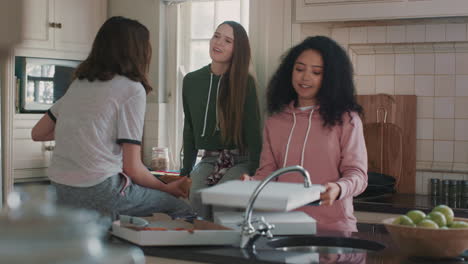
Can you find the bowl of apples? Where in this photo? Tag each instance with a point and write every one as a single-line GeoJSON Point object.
{"type": "Point", "coordinates": [436, 234]}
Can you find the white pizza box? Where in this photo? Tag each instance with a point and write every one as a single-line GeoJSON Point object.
{"type": "Point", "coordinates": [178, 233]}
{"type": "Point", "coordinates": [275, 196]}
{"type": "Point", "coordinates": [286, 223]}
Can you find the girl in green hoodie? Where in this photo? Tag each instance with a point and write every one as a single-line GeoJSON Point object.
{"type": "Point", "coordinates": [221, 115]}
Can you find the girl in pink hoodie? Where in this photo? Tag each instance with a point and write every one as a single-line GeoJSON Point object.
{"type": "Point", "coordinates": [314, 122]}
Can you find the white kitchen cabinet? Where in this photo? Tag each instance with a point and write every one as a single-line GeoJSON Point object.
{"type": "Point", "coordinates": [30, 159]}
{"type": "Point", "coordinates": [353, 10]}
{"type": "Point", "coordinates": [63, 25]}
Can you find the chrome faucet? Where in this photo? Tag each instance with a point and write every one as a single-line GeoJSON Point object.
{"type": "Point", "coordinates": [248, 232]}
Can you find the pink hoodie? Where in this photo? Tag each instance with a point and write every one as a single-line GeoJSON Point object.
{"type": "Point", "coordinates": [296, 137]}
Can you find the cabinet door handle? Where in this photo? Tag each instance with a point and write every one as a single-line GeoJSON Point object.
{"type": "Point", "coordinates": [49, 148]}
{"type": "Point", "coordinates": [52, 25]}
{"type": "Point", "coordinates": [58, 25]}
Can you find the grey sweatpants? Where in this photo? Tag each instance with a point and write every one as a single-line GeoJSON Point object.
{"type": "Point", "coordinates": [108, 199]}
{"type": "Point", "coordinates": [199, 174]}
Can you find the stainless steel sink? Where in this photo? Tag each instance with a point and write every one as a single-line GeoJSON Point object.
{"type": "Point", "coordinates": [324, 244]}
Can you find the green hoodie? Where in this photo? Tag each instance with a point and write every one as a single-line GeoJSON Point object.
{"type": "Point", "coordinates": [200, 131]}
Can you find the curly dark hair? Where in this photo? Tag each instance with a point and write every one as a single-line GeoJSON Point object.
{"type": "Point", "coordinates": [337, 94]}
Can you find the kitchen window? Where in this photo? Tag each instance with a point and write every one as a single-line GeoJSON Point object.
{"type": "Point", "coordinates": [196, 22]}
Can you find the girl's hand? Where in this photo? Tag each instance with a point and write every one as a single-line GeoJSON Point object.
{"type": "Point", "coordinates": [332, 192]}
{"type": "Point", "coordinates": [176, 187]}
{"type": "Point", "coordinates": [245, 177]}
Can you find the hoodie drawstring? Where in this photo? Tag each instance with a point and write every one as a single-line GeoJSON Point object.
{"type": "Point", "coordinates": [305, 140]}
{"type": "Point", "coordinates": [307, 136]}
{"type": "Point", "coordinates": [217, 96]}
{"type": "Point", "coordinates": [289, 140]}
{"type": "Point", "coordinates": [208, 104]}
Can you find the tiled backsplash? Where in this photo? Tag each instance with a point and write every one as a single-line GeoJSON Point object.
{"type": "Point", "coordinates": [427, 58]}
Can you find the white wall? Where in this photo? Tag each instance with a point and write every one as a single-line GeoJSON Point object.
{"type": "Point", "coordinates": [151, 14]}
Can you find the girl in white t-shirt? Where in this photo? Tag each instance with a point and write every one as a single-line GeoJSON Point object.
{"type": "Point", "coordinates": [98, 126]}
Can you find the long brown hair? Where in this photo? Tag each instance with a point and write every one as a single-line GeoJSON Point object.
{"type": "Point", "coordinates": [233, 90]}
{"type": "Point", "coordinates": [121, 47]}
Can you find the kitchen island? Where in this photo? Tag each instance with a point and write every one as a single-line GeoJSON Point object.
{"type": "Point", "coordinates": [389, 204]}
{"type": "Point", "coordinates": [266, 254]}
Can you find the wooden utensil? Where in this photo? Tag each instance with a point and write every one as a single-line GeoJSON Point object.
{"type": "Point", "coordinates": [401, 111]}
{"type": "Point", "coordinates": [384, 142]}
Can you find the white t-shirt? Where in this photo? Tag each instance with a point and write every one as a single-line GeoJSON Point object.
{"type": "Point", "coordinates": [92, 119]}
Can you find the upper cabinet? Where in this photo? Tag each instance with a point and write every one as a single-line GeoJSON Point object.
{"type": "Point", "coordinates": [61, 25]}
{"type": "Point", "coordinates": [349, 10]}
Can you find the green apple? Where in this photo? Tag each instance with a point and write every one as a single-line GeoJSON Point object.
{"type": "Point", "coordinates": [459, 224]}
{"type": "Point", "coordinates": [416, 215]}
{"type": "Point", "coordinates": [427, 223]}
{"type": "Point", "coordinates": [447, 211]}
{"type": "Point", "coordinates": [438, 218]}
{"type": "Point", "coordinates": [403, 220]}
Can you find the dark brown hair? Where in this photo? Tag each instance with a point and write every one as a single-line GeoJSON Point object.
{"type": "Point", "coordinates": [121, 47]}
{"type": "Point", "coordinates": [234, 87]}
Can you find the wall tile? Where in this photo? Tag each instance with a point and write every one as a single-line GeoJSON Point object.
{"type": "Point", "coordinates": [445, 63]}
{"type": "Point", "coordinates": [425, 182]}
{"type": "Point", "coordinates": [424, 150]}
{"type": "Point", "coordinates": [376, 34]}
{"type": "Point", "coordinates": [424, 85]}
{"type": "Point", "coordinates": [461, 128]}
{"type": "Point", "coordinates": [404, 84]}
{"type": "Point", "coordinates": [443, 151]}
{"type": "Point", "coordinates": [425, 107]}
{"type": "Point", "coordinates": [454, 176]}
{"type": "Point", "coordinates": [424, 128]}
{"type": "Point", "coordinates": [365, 84]}
{"type": "Point", "coordinates": [461, 107]}
{"type": "Point", "coordinates": [445, 85]}
{"type": "Point", "coordinates": [461, 63]}
{"type": "Point", "coordinates": [456, 32]}
{"type": "Point", "coordinates": [365, 65]}
{"type": "Point", "coordinates": [461, 151]}
{"type": "Point", "coordinates": [444, 107]}
{"type": "Point", "coordinates": [384, 64]}
{"type": "Point", "coordinates": [385, 84]}
{"type": "Point", "coordinates": [461, 85]}
{"type": "Point", "coordinates": [357, 35]}
{"type": "Point", "coordinates": [396, 34]}
{"type": "Point", "coordinates": [415, 33]}
{"type": "Point", "coordinates": [444, 129]}
{"type": "Point", "coordinates": [404, 64]}
{"type": "Point", "coordinates": [419, 181]}
{"type": "Point", "coordinates": [435, 32]}
{"type": "Point", "coordinates": [424, 63]}
{"type": "Point", "coordinates": [340, 35]}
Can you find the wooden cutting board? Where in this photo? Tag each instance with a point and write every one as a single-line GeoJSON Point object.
{"type": "Point", "coordinates": [401, 111]}
{"type": "Point", "coordinates": [384, 143]}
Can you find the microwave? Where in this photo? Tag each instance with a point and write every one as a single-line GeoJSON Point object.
{"type": "Point", "coordinates": [40, 82]}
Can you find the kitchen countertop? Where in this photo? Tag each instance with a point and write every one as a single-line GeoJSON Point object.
{"type": "Point", "coordinates": [206, 254]}
{"type": "Point", "coordinates": [401, 203]}
{"type": "Point", "coordinates": [389, 203]}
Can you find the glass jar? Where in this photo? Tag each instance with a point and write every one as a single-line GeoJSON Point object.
{"type": "Point", "coordinates": [160, 159]}
{"type": "Point", "coordinates": [464, 192]}
{"type": "Point", "coordinates": [445, 188]}
{"type": "Point", "coordinates": [453, 189]}
{"type": "Point", "coordinates": [435, 187]}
